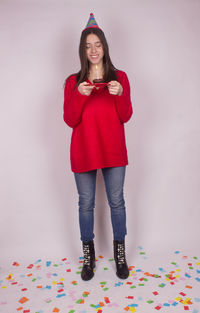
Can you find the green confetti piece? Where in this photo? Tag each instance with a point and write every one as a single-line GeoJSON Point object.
{"type": "Point", "coordinates": [174, 263]}
{"type": "Point", "coordinates": [34, 279]}
{"type": "Point", "coordinates": [110, 260]}
{"type": "Point", "coordinates": [150, 301]}
{"type": "Point", "coordinates": [161, 285]}
{"type": "Point", "coordinates": [79, 301]}
{"type": "Point", "coordinates": [48, 301]}
{"type": "Point", "coordinates": [191, 268]}
{"type": "Point", "coordinates": [71, 311]}
{"type": "Point", "coordinates": [93, 306]}
{"type": "Point", "coordinates": [103, 283]}
{"type": "Point", "coordinates": [142, 252]}
{"type": "Point", "coordinates": [167, 275]}
{"type": "Point", "coordinates": [145, 279]}
{"type": "Point", "coordinates": [133, 287]}
{"type": "Point", "coordinates": [105, 289]}
{"type": "Point", "coordinates": [55, 265]}
{"type": "Point", "coordinates": [84, 295]}
{"type": "Point", "coordinates": [78, 272]}
{"type": "Point", "coordinates": [156, 275]}
{"type": "Point", "coordinates": [140, 284]}
{"type": "Point", "coordinates": [195, 257]}
{"type": "Point", "coordinates": [105, 268]}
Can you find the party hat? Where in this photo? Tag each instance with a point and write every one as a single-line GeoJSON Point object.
{"type": "Point", "coordinates": [92, 22]}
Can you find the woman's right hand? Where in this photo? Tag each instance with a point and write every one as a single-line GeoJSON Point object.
{"type": "Point", "coordinates": [85, 89]}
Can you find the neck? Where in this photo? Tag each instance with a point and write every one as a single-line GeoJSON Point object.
{"type": "Point", "coordinates": [96, 70]}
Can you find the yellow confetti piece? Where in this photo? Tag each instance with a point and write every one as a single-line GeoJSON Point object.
{"type": "Point", "coordinates": [54, 282]}
{"type": "Point", "coordinates": [177, 276]}
{"type": "Point", "coordinates": [132, 309]}
{"type": "Point", "coordinates": [198, 263]}
{"type": "Point", "coordinates": [167, 279]}
{"type": "Point", "coordinates": [178, 298]}
{"type": "Point", "coordinates": [3, 287]}
{"type": "Point", "coordinates": [178, 270]}
{"type": "Point", "coordinates": [9, 276]}
{"type": "Point", "coordinates": [62, 279]}
{"type": "Point", "coordinates": [133, 272]}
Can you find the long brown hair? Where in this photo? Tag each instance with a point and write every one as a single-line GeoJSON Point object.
{"type": "Point", "coordinates": [109, 68]}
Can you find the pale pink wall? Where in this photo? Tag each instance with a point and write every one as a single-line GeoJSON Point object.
{"type": "Point", "coordinates": [157, 44]}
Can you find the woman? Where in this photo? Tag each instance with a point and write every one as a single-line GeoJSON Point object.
{"type": "Point", "coordinates": [97, 113]}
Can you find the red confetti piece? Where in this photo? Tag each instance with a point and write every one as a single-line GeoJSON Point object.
{"type": "Point", "coordinates": [15, 264]}
{"type": "Point", "coordinates": [158, 307]}
{"type": "Point", "coordinates": [26, 311]}
{"type": "Point", "coordinates": [182, 294]}
{"type": "Point", "coordinates": [24, 289]}
{"type": "Point", "coordinates": [65, 259]}
{"type": "Point", "coordinates": [155, 293]}
{"type": "Point", "coordinates": [14, 283]}
{"type": "Point", "coordinates": [186, 307]}
{"type": "Point", "coordinates": [130, 297]}
{"type": "Point", "coordinates": [60, 290]}
{"type": "Point", "coordinates": [68, 270]}
{"type": "Point", "coordinates": [30, 266]}
{"type": "Point", "coordinates": [190, 264]}
{"type": "Point", "coordinates": [106, 300]}
{"type": "Point", "coordinates": [129, 283]}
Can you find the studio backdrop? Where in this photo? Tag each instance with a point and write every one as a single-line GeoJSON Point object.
{"type": "Point", "coordinates": [157, 44]}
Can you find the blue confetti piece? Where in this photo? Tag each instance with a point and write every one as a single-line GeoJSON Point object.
{"type": "Point", "coordinates": [134, 305]}
{"type": "Point", "coordinates": [176, 252]}
{"type": "Point", "coordinates": [38, 261]}
{"type": "Point", "coordinates": [162, 270]}
{"type": "Point", "coordinates": [197, 299]}
{"type": "Point", "coordinates": [48, 263]}
{"type": "Point", "coordinates": [138, 270]}
{"type": "Point", "coordinates": [61, 295]}
{"type": "Point", "coordinates": [198, 271]}
{"type": "Point", "coordinates": [54, 274]}
{"type": "Point", "coordinates": [118, 284]}
{"type": "Point", "coordinates": [197, 279]}
{"type": "Point", "coordinates": [139, 247]}
{"type": "Point", "coordinates": [187, 275]}
{"type": "Point", "coordinates": [175, 303]}
{"type": "Point", "coordinates": [81, 258]}
{"type": "Point", "coordinates": [166, 304]}
{"type": "Point", "coordinates": [48, 287]}
{"type": "Point", "coordinates": [97, 306]}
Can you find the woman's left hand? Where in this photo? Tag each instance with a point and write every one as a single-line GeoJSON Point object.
{"type": "Point", "coordinates": [115, 88]}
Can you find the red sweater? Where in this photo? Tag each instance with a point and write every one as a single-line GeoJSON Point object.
{"type": "Point", "coordinates": [98, 137]}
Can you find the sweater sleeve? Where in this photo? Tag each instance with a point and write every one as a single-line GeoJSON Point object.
{"type": "Point", "coordinates": [73, 103]}
{"type": "Point", "coordinates": [123, 102]}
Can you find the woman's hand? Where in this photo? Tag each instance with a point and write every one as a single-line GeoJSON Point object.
{"type": "Point", "coordinates": [85, 89]}
{"type": "Point", "coordinates": [115, 88]}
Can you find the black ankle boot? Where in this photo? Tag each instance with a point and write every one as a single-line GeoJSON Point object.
{"type": "Point", "coordinates": [120, 259]}
{"type": "Point", "coordinates": [89, 260]}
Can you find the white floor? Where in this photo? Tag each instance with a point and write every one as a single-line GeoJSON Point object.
{"type": "Point", "coordinates": [168, 283]}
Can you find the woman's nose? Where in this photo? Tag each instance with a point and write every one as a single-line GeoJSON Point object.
{"type": "Point", "coordinates": [93, 49]}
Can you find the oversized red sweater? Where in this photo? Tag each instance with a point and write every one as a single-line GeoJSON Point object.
{"type": "Point", "coordinates": [98, 137]}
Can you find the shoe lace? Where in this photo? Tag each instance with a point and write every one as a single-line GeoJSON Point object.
{"type": "Point", "coordinates": [86, 254]}
{"type": "Point", "coordinates": [121, 253]}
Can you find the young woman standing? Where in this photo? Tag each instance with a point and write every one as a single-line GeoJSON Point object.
{"type": "Point", "coordinates": [97, 103]}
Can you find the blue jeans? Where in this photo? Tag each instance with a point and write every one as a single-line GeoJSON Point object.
{"type": "Point", "coordinates": [86, 186]}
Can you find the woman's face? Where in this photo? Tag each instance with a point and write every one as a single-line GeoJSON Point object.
{"type": "Point", "coordinates": [94, 49]}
